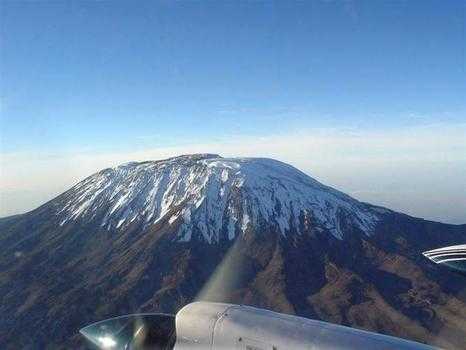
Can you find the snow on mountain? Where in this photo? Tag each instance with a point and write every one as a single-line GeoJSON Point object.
{"type": "Point", "coordinates": [213, 197]}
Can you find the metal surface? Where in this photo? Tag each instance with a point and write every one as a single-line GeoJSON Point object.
{"type": "Point", "coordinates": [203, 325]}
{"type": "Point", "coordinates": [213, 326]}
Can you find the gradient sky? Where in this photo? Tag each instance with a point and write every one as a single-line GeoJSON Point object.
{"type": "Point", "coordinates": [109, 80]}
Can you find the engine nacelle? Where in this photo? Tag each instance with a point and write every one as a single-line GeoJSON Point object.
{"type": "Point", "coordinates": [205, 325]}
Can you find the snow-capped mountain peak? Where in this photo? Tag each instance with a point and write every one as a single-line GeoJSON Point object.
{"type": "Point", "coordinates": [212, 197]}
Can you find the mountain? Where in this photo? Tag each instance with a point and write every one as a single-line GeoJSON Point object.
{"type": "Point", "coordinates": [153, 236]}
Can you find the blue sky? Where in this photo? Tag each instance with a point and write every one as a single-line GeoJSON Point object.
{"type": "Point", "coordinates": [106, 77]}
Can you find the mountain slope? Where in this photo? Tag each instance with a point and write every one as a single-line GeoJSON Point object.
{"type": "Point", "coordinates": [211, 193]}
{"type": "Point", "coordinates": [149, 236]}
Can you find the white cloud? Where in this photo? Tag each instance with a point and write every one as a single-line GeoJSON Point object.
{"type": "Point", "coordinates": [418, 170]}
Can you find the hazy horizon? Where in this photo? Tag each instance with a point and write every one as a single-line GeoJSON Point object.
{"type": "Point", "coordinates": [336, 158]}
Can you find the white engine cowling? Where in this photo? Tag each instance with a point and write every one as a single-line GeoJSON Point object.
{"type": "Point", "coordinates": [204, 325]}
{"type": "Point", "coordinates": [213, 326]}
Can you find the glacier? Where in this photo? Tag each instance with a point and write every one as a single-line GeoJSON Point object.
{"type": "Point", "coordinates": [214, 197]}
